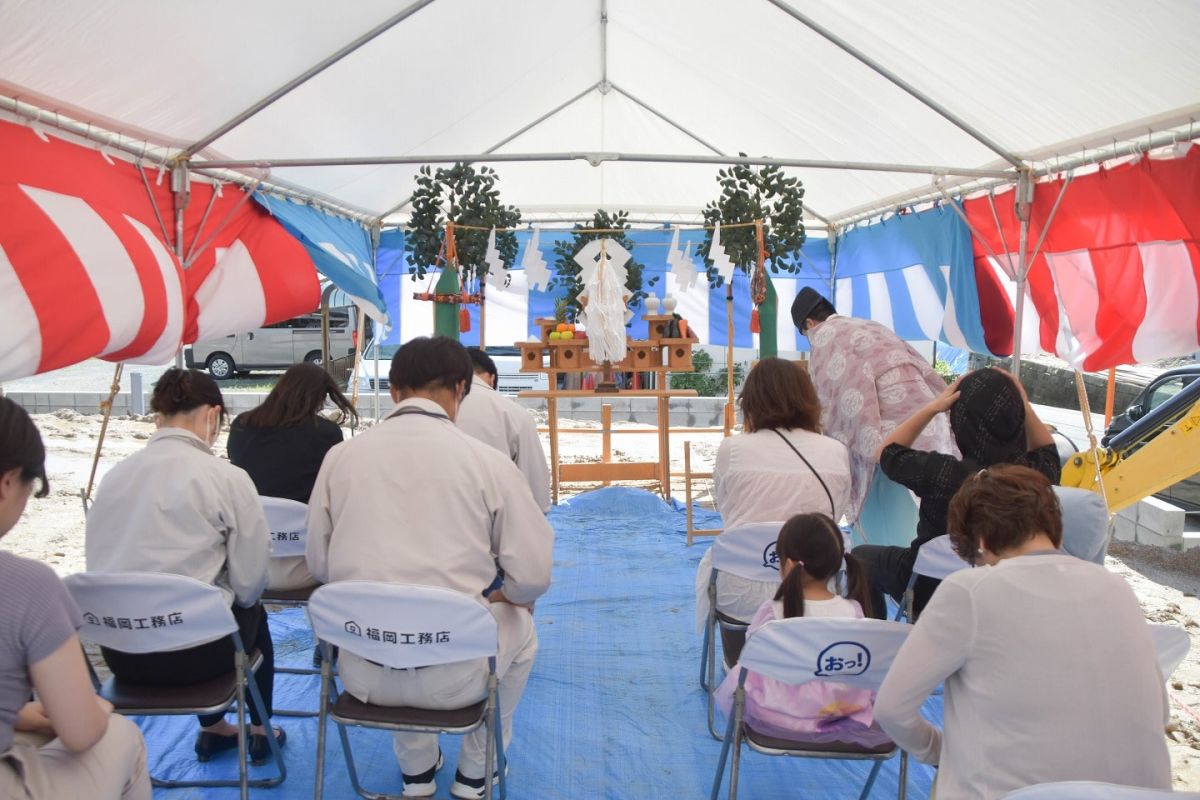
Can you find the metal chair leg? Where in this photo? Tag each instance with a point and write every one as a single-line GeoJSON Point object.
{"type": "Point", "coordinates": [489, 757]}
{"type": "Point", "coordinates": [870, 784]}
{"type": "Point", "coordinates": [736, 761]}
{"type": "Point", "coordinates": [239, 659]}
{"type": "Point", "coordinates": [322, 722]}
{"type": "Point", "coordinates": [725, 744]}
{"type": "Point", "coordinates": [903, 791]}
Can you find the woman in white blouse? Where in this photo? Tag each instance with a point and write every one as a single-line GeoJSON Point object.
{"type": "Point", "coordinates": [1049, 667]}
{"type": "Point", "coordinates": [175, 507]}
{"type": "Point", "coordinates": [779, 466]}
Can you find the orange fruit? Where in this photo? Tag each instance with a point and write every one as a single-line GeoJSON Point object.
{"type": "Point", "coordinates": [561, 327]}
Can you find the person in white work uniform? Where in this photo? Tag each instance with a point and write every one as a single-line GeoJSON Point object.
{"type": "Point", "coordinates": [417, 500]}
{"type": "Point", "coordinates": [1049, 667]}
{"type": "Point", "coordinates": [497, 420]}
{"type": "Point", "coordinates": [175, 507]}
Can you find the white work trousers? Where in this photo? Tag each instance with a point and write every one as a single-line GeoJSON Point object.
{"type": "Point", "coordinates": [450, 686]}
{"type": "Point", "coordinates": [114, 767]}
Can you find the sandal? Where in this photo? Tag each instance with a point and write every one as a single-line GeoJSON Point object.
{"type": "Point", "coordinates": [260, 747]}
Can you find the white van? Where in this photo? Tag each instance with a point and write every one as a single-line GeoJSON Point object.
{"type": "Point", "coordinates": [276, 346]}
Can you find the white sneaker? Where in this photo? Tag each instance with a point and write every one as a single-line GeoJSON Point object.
{"type": "Point", "coordinates": [423, 785]}
{"type": "Point", "coordinates": [472, 788]}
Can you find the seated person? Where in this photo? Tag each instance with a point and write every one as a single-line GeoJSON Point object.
{"type": "Point", "coordinates": [415, 500]}
{"type": "Point", "coordinates": [993, 423]}
{"type": "Point", "coordinates": [281, 445]}
{"type": "Point", "coordinates": [779, 466]}
{"type": "Point", "coordinates": [174, 507]}
{"type": "Point", "coordinates": [1049, 668]}
{"type": "Point", "coordinates": [67, 742]}
{"type": "Point", "coordinates": [811, 550]}
{"type": "Point", "coordinates": [494, 419]}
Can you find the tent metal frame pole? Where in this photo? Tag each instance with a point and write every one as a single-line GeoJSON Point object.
{"type": "Point", "coordinates": [886, 73]}
{"type": "Point", "coordinates": [311, 72]}
{"type": "Point", "coordinates": [598, 158]}
{"type": "Point", "coordinates": [603, 85]}
{"type": "Point", "coordinates": [524, 128]}
{"type": "Point", "coordinates": [1024, 201]}
{"type": "Point", "coordinates": [677, 126]}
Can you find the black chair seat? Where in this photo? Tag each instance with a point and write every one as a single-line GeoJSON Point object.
{"type": "Point", "coordinates": [211, 695]}
{"type": "Point", "coordinates": [350, 709]}
{"type": "Point", "coordinates": [288, 595]}
{"type": "Point", "coordinates": [796, 746]}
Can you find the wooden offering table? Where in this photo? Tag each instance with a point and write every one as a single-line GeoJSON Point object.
{"type": "Point", "coordinates": [660, 353]}
{"type": "Point", "coordinates": [659, 470]}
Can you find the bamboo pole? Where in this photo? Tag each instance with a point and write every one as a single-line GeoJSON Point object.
{"type": "Point", "coordinates": [106, 407]}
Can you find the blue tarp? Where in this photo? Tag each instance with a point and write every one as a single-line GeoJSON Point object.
{"type": "Point", "coordinates": [340, 249]}
{"type": "Point", "coordinates": [612, 709]}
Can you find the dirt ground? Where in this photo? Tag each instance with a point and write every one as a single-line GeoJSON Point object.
{"type": "Point", "coordinates": [1166, 583]}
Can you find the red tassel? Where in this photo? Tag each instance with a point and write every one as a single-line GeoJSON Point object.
{"type": "Point", "coordinates": [464, 320]}
{"type": "Point", "coordinates": [755, 324]}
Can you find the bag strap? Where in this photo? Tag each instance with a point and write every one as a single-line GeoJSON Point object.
{"type": "Point", "coordinates": [832, 510]}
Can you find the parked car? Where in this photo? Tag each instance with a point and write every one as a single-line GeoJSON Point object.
{"type": "Point", "coordinates": [275, 346]}
{"type": "Point", "coordinates": [1186, 493]}
{"type": "Point", "coordinates": [508, 367]}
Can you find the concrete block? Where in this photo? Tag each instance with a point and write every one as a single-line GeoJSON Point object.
{"type": "Point", "coordinates": [1189, 540]}
{"type": "Point", "coordinates": [1124, 529]}
{"type": "Point", "coordinates": [1155, 538]}
{"type": "Point", "coordinates": [1161, 517]}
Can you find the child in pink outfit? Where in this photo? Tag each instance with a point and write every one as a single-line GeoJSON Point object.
{"type": "Point", "coordinates": [811, 552]}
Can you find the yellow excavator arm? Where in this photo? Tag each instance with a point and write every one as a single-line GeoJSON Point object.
{"type": "Point", "coordinates": [1138, 465]}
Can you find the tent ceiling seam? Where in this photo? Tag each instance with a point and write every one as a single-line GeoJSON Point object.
{"type": "Point", "coordinates": [892, 77]}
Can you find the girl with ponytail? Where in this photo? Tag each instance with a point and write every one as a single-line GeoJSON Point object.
{"type": "Point", "coordinates": [811, 554]}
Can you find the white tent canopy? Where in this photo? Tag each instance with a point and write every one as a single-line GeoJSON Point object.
{"type": "Point", "coordinates": [1022, 82]}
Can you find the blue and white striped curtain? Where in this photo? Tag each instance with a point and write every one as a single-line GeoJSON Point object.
{"type": "Point", "coordinates": [906, 273]}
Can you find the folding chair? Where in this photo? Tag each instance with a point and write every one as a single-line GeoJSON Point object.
{"type": "Point", "coordinates": [288, 523]}
{"type": "Point", "coordinates": [857, 652]}
{"type": "Point", "coordinates": [935, 559]}
{"type": "Point", "coordinates": [404, 627]}
{"type": "Point", "coordinates": [1085, 523]}
{"type": "Point", "coordinates": [747, 551]}
{"type": "Point", "coordinates": [1089, 790]}
{"type": "Point", "coordinates": [150, 612]}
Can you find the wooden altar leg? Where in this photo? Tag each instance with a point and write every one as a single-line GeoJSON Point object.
{"type": "Point", "coordinates": [552, 421]}
{"type": "Point", "coordinates": [664, 446]}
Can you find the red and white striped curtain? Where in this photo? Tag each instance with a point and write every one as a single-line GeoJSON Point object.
{"type": "Point", "coordinates": [1117, 280]}
{"type": "Point", "coordinates": [85, 269]}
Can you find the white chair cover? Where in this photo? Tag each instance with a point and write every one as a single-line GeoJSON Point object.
{"type": "Point", "coordinates": [857, 652]}
{"type": "Point", "coordinates": [402, 626]}
{"type": "Point", "coordinates": [1171, 644]}
{"type": "Point", "coordinates": [149, 612]}
{"type": "Point", "coordinates": [288, 521]}
{"type": "Point", "coordinates": [1085, 523]}
{"type": "Point", "coordinates": [748, 551]}
{"type": "Point", "coordinates": [937, 559]}
{"type": "Point", "coordinates": [1091, 790]}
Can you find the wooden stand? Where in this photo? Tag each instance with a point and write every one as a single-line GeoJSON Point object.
{"type": "Point", "coordinates": [601, 472]}
{"type": "Point", "coordinates": [656, 354]}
